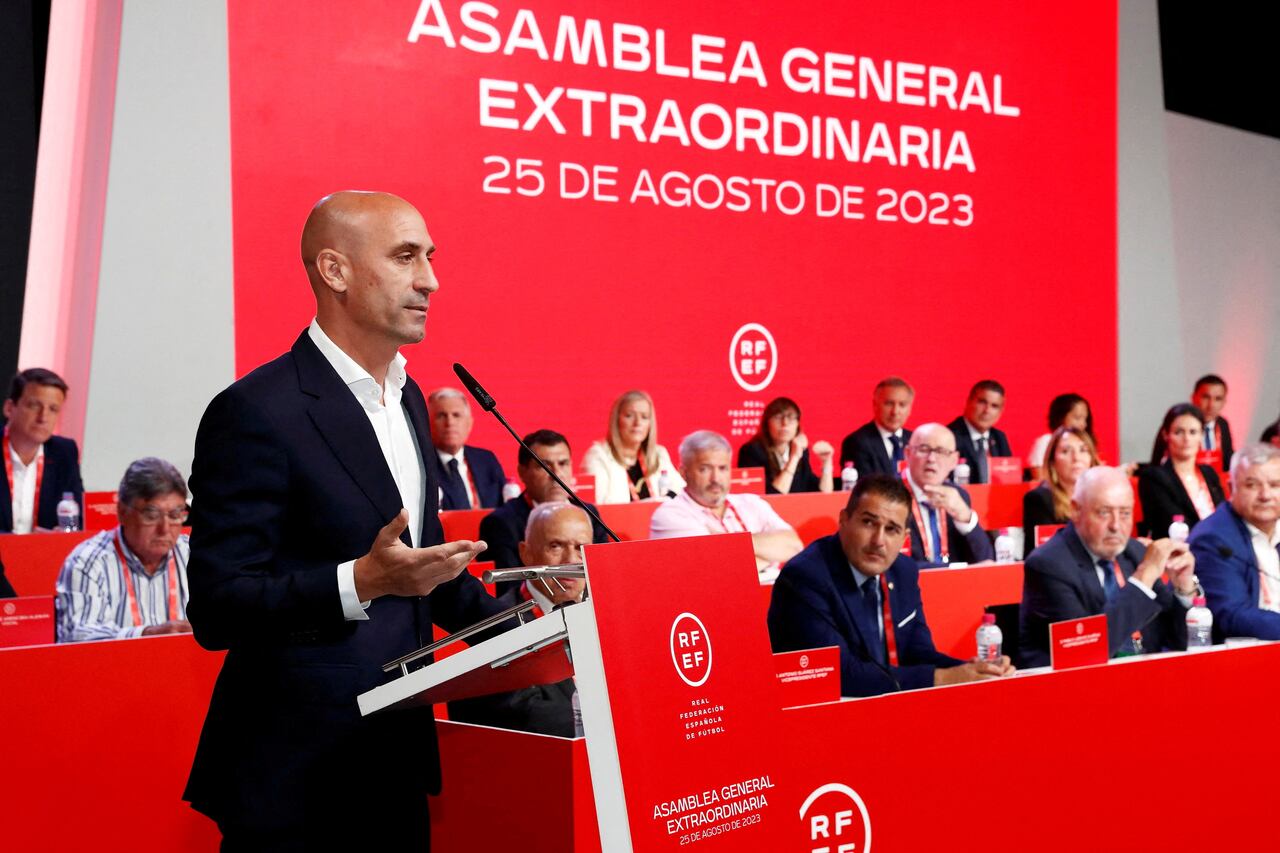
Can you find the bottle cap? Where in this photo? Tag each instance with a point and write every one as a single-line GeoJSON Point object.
{"type": "Point", "coordinates": [1182, 518]}
{"type": "Point", "coordinates": [988, 619]}
{"type": "Point", "coordinates": [68, 496]}
{"type": "Point", "coordinates": [1198, 601]}
{"type": "Point", "coordinates": [848, 465]}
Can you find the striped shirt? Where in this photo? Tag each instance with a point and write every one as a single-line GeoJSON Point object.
{"type": "Point", "coordinates": [92, 603]}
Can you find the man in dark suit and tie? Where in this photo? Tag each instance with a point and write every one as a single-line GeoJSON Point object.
{"type": "Point", "coordinates": [878, 446]}
{"type": "Point", "coordinates": [470, 477]}
{"type": "Point", "coordinates": [977, 438]}
{"type": "Point", "coordinates": [317, 556]}
{"type": "Point", "coordinates": [942, 526]}
{"type": "Point", "coordinates": [1236, 549]}
{"type": "Point", "coordinates": [1209, 396]}
{"type": "Point", "coordinates": [39, 466]}
{"type": "Point", "coordinates": [834, 593]}
{"type": "Point", "coordinates": [1092, 566]}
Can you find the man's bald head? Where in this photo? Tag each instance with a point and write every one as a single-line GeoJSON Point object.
{"type": "Point", "coordinates": [931, 454]}
{"type": "Point", "coordinates": [368, 257]}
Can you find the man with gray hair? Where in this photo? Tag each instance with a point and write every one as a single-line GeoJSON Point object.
{"type": "Point", "coordinates": [1093, 566]}
{"type": "Point", "coordinates": [469, 477]}
{"type": "Point", "coordinates": [1236, 548]}
{"type": "Point", "coordinates": [131, 581]}
{"type": "Point", "coordinates": [706, 506]}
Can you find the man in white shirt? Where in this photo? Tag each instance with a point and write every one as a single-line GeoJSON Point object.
{"type": "Point", "coordinates": [942, 527]}
{"type": "Point", "coordinates": [1236, 548]}
{"type": "Point", "coordinates": [317, 556]}
{"type": "Point", "coordinates": [39, 467]}
{"type": "Point", "coordinates": [470, 477]}
{"type": "Point", "coordinates": [706, 506]}
{"type": "Point", "coordinates": [131, 581]}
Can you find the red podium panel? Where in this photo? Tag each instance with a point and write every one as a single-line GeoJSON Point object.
{"type": "Point", "coordinates": [631, 520]}
{"type": "Point", "coordinates": [998, 504]}
{"type": "Point", "coordinates": [26, 621]}
{"type": "Point", "coordinates": [955, 599]}
{"type": "Point", "coordinates": [1005, 470]}
{"type": "Point", "coordinates": [32, 560]}
{"type": "Point", "coordinates": [747, 481]}
{"type": "Point", "coordinates": [100, 511]}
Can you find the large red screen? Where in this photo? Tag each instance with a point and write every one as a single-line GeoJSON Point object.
{"type": "Point", "coordinates": [919, 189]}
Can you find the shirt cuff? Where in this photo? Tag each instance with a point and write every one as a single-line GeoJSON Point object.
{"type": "Point", "coordinates": [1148, 591]}
{"type": "Point", "coordinates": [968, 527]}
{"type": "Point", "coordinates": [353, 609]}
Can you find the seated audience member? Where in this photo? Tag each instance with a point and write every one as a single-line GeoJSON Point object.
{"type": "Point", "coordinates": [1064, 410]}
{"type": "Point", "coordinates": [942, 527]}
{"type": "Point", "coordinates": [1271, 435]}
{"type": "Point", "coordinates": [6, 589]}
{"type": "Point", "coordinates": [1070, 454]}
{"type": "Point", "coordinates": [705, 505]}
{"type": "Point", "coordinates": [1092, 566]}
{"type": "Point", "coordinates": [469, 477]}
{"type": "Point", "coordinates": [782, 450]}
{"type": "Point", "coordinates": [1176, 485]}
{"type": "Point", "coordinates": [131, 581]}
{"type": "Point", "coordinates": [503, 529]}
{"type": "Point", "coordinates": [834, 592]}
{"type": "Point", "coordinates": [39, 466]}
{"type": "Point", "coordinates": [977, 438]}
{"type": "Point", "coordinates": [877, 446]}
{"type": "Point", "coordinates": [1236, 549]}
{"type": "Point", "coordinates": [555, 536]}
{"type": "Point", "coordinates": [1209, 396]}
{"type": "Point", "coordinates": [629, 464]}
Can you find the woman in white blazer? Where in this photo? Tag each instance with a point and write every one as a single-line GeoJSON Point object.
{"type": "Point", "coordinates": [629, 464]}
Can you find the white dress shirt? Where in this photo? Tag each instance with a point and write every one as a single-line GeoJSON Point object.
{"type": "Point", "coordinates": [888, 443]}
{"type": "Point", "coordinates": [395, 438]}
{"type": "Point", "coordinates": [463, 472]}
{"type": "Point", "coordinates": [24, 490]}
{"type": "Point", "coordinates": [1264, 549]}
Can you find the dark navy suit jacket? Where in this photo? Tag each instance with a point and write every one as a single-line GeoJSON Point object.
{"type": "Point", "coordinates": [816, 602]}
{"type": "Point", "coordinates": [1228, 571]}
{"type": "Point", "coordinates": [61, 474]}
{"type": "Point", "coordinates": [961, 548]}
{"type": "Point", "coordinates": [997, 445]}
{"type": "Point", "coordinates": [485, 470]}
{"type": "Point", "coordinates": [865, 449]}
{"type": "Point", "coordinates": [1060, 582]}
{"type": "Point", "coordinates": [288, 481]}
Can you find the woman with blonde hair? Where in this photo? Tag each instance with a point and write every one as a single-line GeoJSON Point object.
{"type": "Point", "coordinates": [1069, 454]}
{"type": "Point", "coordinates": [629, 464]}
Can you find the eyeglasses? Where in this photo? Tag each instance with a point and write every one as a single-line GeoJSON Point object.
{"type": "Point", "coordinates": [785, 417]}
{"type": "Point", "coordinates": [1104, 514]}
{"type": "Point", "coordinates": [154, 514]}
{"type": "Point", "coordinates": [927, 450]}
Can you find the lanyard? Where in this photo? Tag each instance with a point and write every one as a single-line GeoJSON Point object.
{"type": "Point", "coordinates": [925, 538]}
{"type": "Point", "coordinates": [729, 509]}
{"type": "Point", "coordinates": [1115, 567]}
{"type": "Point", "coordinates": [890, 633]}
{"type": "Point", "coordinates": [8, 473]}
{"type": "Point", "coordinates": [131, 595]}
{"type": "Point", "coordinates": [644, 475]}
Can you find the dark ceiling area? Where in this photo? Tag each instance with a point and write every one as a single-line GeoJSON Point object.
{"type": "Point", "coordinates": [1220, 64]}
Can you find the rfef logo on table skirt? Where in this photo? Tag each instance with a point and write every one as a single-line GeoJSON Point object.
{"type": "Point", "coordinates": [691, 649]}
{"type": "Point", "coordinates": [836, 820]}
{"type": "Point", "coordinates": [753, 357]}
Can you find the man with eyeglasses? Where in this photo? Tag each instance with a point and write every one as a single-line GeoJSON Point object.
{"type": "Point", "coordinates": [1093, 566]}
{"type": "Point", "coordinates": [943, 527]}
{"type": "Point", "coordinates": [131, 581]}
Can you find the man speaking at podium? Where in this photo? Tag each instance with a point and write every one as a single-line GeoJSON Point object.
{"type": "Point", "coordinates": [316, 556]}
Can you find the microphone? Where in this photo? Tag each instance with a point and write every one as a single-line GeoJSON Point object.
{"type": "Point", "coordinates": [490, 405]}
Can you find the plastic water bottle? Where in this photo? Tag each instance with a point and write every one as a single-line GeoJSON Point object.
{"type": "Point", "coordinates": [1178, 531]}
{"type": "Point", "coordinates": [664, 484]}
{"type": "Point", "coordinates": [1199, 625]}
{"type": "Point", "coordinates": [961, 474]}
{"type": "Point", "coordinates": [68, 513]}
{"type": "Point", "coordinates": [510, 491]}
{"type": "Point", "coordinates": [848, 477]}
{"type": "Point", "coordinates": [1004, 547]}
{"type": "Point", "coordinates": [990, 639]}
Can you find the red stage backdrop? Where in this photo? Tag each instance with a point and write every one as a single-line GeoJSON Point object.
{"type": "Point", "coordinates": [714, 202]}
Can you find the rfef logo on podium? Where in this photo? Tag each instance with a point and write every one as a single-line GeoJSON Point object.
{"type": "Point", "coordinates": [691, 649]}
{"type": "Point", "coordinates": [753, 357]}
{"type": "Point", "coordinates": [836, 820]}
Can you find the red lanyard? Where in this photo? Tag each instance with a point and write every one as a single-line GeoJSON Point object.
{"type": "Point", "coordinates": [644, 475]}
{"type": "Point", "coordinates": [8, 473]}
{"type": "Point", "coordinates": [890, 632]}
{"type": "Point", "coordinates": [1115, 567]}
{"type": "Point", "coordinates": [131, 595]}
{"type": "Point", "coordinates": [728, 507]}
{"type": "Point", "coordinates": [925, 538]}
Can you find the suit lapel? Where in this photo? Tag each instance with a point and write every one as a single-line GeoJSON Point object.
{"type": "Point", "coordinates": [842, 577]}
{"type": "Point", "coordinates": [1094, 596]}
{"type": "Point", "coordinates": [345, 427]}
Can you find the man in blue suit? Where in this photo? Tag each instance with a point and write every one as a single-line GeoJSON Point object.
{"type": "Point", "coordinates": [833, 593]}
{"type": "Point", "coordinates": [877, 446]}
{"type": "Point", "coordinates": [1236, 548]}
{"type": "Point", "coordinates": [942, 526]}
{"type": "Point", "coordinates": [1092, 566]}
{"type": "Point", "coordinates": [469, 477]}
{"type": "Point", "coordinates": [39, 466]}
{"type": "Point", "coordinates": [977, 438]}
{"type": "Point", "coordinates": [317, 556]}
